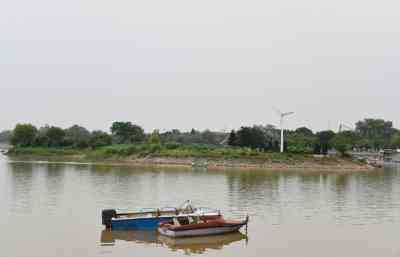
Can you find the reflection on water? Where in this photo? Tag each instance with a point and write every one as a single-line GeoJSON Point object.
{"type": "Point", "coordinates": [49, 204]}
{"type": "Point", "coordinates": [197, 245]}
{"type": "Point", "coordinates": [109, 237]}
{"type": "Point", "coordinates": [193, 245]}
{"type": "Point", "coordinates": [359, 198]}
{"type": "Point", "coordinates": [22, 181]}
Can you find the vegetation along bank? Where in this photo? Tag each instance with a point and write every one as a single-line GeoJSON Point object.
{"type": "Point", "coordinates": [247, 147]}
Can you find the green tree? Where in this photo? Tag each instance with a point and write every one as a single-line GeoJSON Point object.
{"type": "Point", "coordinates": [375, 133]}
{"type": "Point", "coordinates": [252, 137]}
{"type": "Point", "coordinates": [208, 137]}
{"type": "Point", "coordinates": [126, 132]}
{"type": "Point", "coordinates": [232, 140]}
{"type": "Point", "coordinates": [41, 137]}
{"type": "Point", "coordinates": [304, 131]}
{"type": "Point", "coordinates": [99, 139]}
{"type": "Point", "coordinates": [300, 141]}
{"type": "Point", "coordinates": [154, 138]}
{"type": "Point", "coordinates": [193, 137]}
{"type": "Point", "coordinates": [344, 141]}
{"type": "Point", "coordinates": [77, 136]}
{"type": "Point", "coordinates": [395, 140]}
{"type": "Point", "coordinates": [24, 135]}
{"type": "Point", "coordinates": [56, 136]}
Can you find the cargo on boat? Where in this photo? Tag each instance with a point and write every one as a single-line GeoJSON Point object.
{"type": "Point", "coordinates": [191, 226]}
{"type": "Point", "coordinates": [149, 218]}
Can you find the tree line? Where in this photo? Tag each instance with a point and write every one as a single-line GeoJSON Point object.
{"type": "Point", "coordinates": [369, 134]}
{"type": "Point", "coordinates": [122, 132]}
{"type": "Point", "coordinates": [27, 135]}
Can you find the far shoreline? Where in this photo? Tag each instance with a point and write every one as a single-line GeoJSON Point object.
{"type": "Point", "coordinates": [335, 165]}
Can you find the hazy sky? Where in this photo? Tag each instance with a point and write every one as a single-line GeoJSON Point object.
{"type": "Point", "coordinates": [217, 64]}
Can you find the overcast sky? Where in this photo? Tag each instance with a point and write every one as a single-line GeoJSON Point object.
{"type": "Point", "coordinates": [217, 64]}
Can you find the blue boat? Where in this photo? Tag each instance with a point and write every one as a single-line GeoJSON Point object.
{"type": "Point", "coordinates": [150, 223]}
{"type": "Point", "coordinates": [149, 218]}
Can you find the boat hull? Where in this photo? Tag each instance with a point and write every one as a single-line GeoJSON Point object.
{"type": "Point", "coordinates": [149, 218]}
{"type": "Point", "coordinates": [148, 223]}
{"type": "Point", "coordinates": [138, 223]}
{"type": "Point", "coordinates": [200, 232]}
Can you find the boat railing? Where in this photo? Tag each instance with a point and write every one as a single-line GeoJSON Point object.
{"type": "Point", "coordinates": [150, 212]}
{"type": "Point", "coordinates": [206, 210]}
{"type": "Point", "coordinates": [167, 211]}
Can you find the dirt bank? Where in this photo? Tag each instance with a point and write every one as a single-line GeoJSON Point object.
{"type": "Point", "coordinates": [325, 165]}
{"type": "Point", "coordinates": [305, 164]}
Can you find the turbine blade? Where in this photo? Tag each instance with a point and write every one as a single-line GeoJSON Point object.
{"type": "Point", "coordinates": [287, 114]}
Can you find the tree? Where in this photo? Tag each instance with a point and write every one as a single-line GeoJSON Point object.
{"type": "Point", "coordinates": [301, 140]}
{"type": "Point", "coordinates": [193, 137]}
{"type": "Point", "coordinates": [208, 137]}
{"type": "Point", "coordinates": [126, 132]}
{"type": "Point", "coordinates": [376, 133]}
{"type": "Point", "coordinates": [252, 137]}
{"type": "Point", "coordinates": [324, 140]}
{"type": "Point", "coordinates": [154, 138]}
{"type": "Point", "coordinates": [304, 131]}
{"type": "Point", "coordinates": [41, 137]}
{"type": "Point", "coordinates": [56, 136]}
{"type": "Point", "coordinates": [272, 136]}
{"type": "Point", "coordinates": [344, 141]}
{"type": "Point", "coordinates": [24, 135]}
{"type": "Point", "coordinates": [99, 139]}
{"type": "Point", "coordinates": [77, 136]}
{"type": "Point", "coordinates": [232, 140]}
{"type": "Point", "coordinates": [395, 141]}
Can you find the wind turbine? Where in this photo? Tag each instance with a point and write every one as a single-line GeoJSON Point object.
{"type": "Point", "coordinates": [343, 126]}
{"type": "Point", "coordinates": [282, 115]}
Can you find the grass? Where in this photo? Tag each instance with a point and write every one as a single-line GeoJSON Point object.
{"type": "Point", "coordinates": [157, 150]}
{"type": "Point", "coordinates": [44, 151]}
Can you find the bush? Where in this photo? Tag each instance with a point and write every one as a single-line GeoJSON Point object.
{"type": "Point", "coordinates": [172, 146]}
{"type": "Point", "coordinates": [56, 136]}
{"type": "Point", "coordinates": [99, 139]}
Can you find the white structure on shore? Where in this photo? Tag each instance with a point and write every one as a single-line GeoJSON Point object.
{"type": "Point", "coordinates": [282, 115]}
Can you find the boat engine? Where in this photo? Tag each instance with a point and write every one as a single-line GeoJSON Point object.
{"type": "Point", "coordinates": [107, 215]}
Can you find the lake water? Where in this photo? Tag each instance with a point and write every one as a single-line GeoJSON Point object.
{"type": "Point", "coordinates": [55, 210]}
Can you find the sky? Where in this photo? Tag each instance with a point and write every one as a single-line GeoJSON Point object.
{"type": "Point", "coordinates": [217, 64]}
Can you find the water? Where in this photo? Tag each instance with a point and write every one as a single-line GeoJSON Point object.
{"type": "Point", "coordinates": [54, 210]}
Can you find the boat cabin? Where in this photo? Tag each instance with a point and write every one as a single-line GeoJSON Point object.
{"type": "Point", "coordinates": [186, 220]}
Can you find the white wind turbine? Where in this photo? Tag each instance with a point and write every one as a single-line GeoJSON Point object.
{"type": "Point", "coordinates": [282, 115]}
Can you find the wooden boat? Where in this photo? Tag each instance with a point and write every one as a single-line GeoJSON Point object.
{"type": "Point", "coordinates": [191, 226]}
{"type": "Point", "coordinates": [148, 219]}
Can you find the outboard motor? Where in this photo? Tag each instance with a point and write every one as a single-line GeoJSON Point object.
{"type": "Point", "coordinates": [107, 215]}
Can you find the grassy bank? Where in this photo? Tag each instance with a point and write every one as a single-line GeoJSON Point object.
{"type": "Point", "coordinates": [184, 155]}
{"type": "Point", "coordinates": [168, 151]}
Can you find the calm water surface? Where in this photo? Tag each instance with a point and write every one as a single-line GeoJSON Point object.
{"type": "Point", "coordinates": [54, 210]}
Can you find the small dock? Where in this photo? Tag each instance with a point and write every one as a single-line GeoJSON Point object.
{"type": "Point", "coordinates": [378, 158]}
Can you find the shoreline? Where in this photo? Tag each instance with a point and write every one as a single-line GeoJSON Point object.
{"type": "Point", "coordinates": [310, 165]}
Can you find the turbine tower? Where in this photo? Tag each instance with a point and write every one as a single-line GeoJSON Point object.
{"type": "Point", "coordinates": [282, 115]}
{"type": "Point", "coordinates": [343, 127]}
